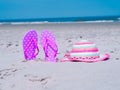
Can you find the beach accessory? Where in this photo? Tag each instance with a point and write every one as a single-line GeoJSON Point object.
{"type": "Point", "coordinates": [49, 45]}
{"type": "Point", "coordinates": [85, 51]}
{"type": "Point", "coordinates": [30, 45]}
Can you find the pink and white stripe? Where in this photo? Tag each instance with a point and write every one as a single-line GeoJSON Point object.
{"type": "Point", "coordinates": [84, 50]}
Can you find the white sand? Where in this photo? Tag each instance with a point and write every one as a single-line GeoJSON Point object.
{"type": "Point", "coordinates": [16, 74]}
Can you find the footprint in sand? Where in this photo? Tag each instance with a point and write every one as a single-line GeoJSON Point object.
{"type": "Point", "coordinates": [42, 81]}
{"type": "Point", "coordinates": [7, 72]}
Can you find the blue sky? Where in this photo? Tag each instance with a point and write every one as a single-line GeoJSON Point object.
{"type": "Point", "coordinates": [12, 9]}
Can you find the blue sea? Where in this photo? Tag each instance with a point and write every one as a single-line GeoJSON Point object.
{"type": "Point", "coordinates": [61, 20]}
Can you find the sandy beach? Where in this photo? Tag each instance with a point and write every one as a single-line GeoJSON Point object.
{"type": "Point", "coordinates": [18, 74]}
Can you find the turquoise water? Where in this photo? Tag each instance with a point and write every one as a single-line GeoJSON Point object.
{"type": "Point", "coordinates": [65, 19]}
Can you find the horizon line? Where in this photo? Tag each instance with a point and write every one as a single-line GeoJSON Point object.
{"type": "Point", "coordinates": [63, 19]}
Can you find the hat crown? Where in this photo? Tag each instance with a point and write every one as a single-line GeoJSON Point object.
{"type": "Point", "coordinates": [82, 42]}
{"type": "Point", "coordinates": [84, 49]}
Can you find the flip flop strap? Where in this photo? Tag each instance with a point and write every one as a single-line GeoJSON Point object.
{"type": "Point", "coordinates": [50, 47]}
{"type": "Point", "coordinates": [37, 51]}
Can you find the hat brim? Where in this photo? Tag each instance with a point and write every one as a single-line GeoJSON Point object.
{"type": "Point", "coordinates": [103, 57]}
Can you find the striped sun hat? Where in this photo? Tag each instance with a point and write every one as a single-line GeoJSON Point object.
{"type": "Point", "coordinates": [86, 51]}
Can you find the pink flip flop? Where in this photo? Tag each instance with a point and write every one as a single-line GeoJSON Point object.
{"type": "Point", "coordinates": [30, 45]}
{"type": "Point", "coordinates": [49, 46]}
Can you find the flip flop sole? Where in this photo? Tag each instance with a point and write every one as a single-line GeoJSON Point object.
{"type": "Point", "coordinates": [49, 45]}
{"type": "Point", "coordinates": [29, 44]}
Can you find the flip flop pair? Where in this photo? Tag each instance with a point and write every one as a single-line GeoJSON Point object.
{"type": "Point", "coordinates": [47, 40]}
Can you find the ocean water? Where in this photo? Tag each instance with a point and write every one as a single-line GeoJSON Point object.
{"type": "Point", "coordinates": [61, 19]}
